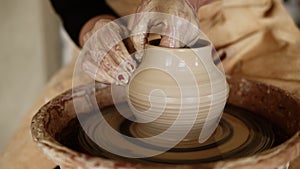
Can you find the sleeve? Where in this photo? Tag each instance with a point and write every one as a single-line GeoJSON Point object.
{"type": "Point", "coordinates": [75, 13]}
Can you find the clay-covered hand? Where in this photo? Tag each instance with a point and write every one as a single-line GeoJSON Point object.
{"type": "Point", "coordinates": [105, 56]}
{"type": "Point", "coordinates": [178, 29]}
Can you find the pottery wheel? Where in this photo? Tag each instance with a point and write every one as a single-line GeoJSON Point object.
{"type": "Point", "coordinates": [240, 133]}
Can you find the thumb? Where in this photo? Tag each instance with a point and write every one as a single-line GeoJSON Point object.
{"type": "Point", "coordinates": [139, 42]}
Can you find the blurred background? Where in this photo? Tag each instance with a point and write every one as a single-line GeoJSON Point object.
{"type": "Point", "coordinates": [33, 46]}
{"type": "Point", "coordinates": [31, 50]}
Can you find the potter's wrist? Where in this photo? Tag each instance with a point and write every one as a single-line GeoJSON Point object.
{"type": "Point", "coordinates": [89, 25]}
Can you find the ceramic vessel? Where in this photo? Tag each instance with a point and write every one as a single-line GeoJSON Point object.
{"type": "Point", "coordinates": [177, 91]}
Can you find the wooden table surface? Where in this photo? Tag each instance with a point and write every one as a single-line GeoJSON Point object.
{"type": "Point", "coordinates": [21, 151]}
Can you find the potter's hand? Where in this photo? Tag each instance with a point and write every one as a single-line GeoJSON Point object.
{"type": "Point", "coordinates": [105, 56]}
{"type": "Point", "coordinates": [175, 32]}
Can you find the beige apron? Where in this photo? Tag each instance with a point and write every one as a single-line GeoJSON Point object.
{"type": "Point", "coordinates": [258, 37]}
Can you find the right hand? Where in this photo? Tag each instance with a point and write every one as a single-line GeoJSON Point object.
{"type": "Point", "coordinates": [175, 20]}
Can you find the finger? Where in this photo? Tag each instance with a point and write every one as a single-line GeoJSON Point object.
{"type": "Point", "coordinates": [121, 70]}
{"type": "Point", "coordinates": [139, 42]}
{"type": "Point", "coordinates": [90, 67]}
{"type": "Point", "coordinates": [94, 50]}
{"type": "Point", "coordinates": [108, 65]}
{"type": "Point", "coordinates": [121, 57]}
{"type": "Point", "coordinates": [114, 70]}
{"type": "Point", "coordinates": [122, 78]}
{"type": "Point", "coordinates": [123, 64]}
{"type": "Point", "coordinates": [170, 42]}
{"type": "Point", "coordinates": [120, 53]}
{"type": "Point", "coordinates": [193, 32]}
{"type": "Point", "coordinates": [105, 70]}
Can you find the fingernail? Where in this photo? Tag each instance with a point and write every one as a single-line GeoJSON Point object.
{"type": "Point", "coordinates": [122, 78]}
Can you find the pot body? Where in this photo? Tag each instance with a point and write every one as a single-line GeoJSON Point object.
{"type": "Point", "coordinates": [179, 92]}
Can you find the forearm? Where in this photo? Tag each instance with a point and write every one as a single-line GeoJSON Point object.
{"type": "Point", "coordinates": [76, 14]}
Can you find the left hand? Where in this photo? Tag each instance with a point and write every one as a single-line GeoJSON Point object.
{"type": "Point", "coordinates": [106, 58]}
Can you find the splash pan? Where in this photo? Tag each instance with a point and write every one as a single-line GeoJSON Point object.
{"type": "Point", "coordinates": [259, 128]}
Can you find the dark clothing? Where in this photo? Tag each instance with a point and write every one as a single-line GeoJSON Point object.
{"type": "Point", "coordinates": [75, 13]}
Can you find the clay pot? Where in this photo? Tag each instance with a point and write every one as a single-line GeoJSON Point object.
{"type": "Point", "coordinates": [279, 107]}
{"type": "Point", "coordinates": [178, 91]}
